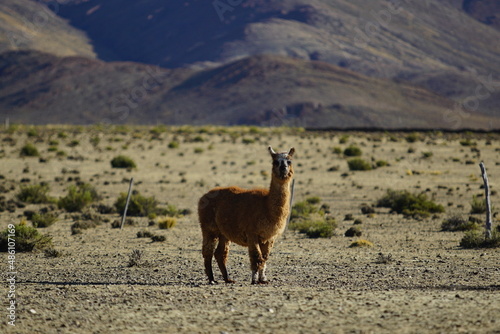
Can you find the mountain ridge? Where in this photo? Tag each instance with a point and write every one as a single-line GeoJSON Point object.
{"type": "Point", "coordinates": [262, 90]}
{"type": "Point", "coordinates": [311, 63]}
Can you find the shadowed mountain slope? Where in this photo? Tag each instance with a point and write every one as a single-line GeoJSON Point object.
{"type": "Point", "coordinates": [43, 87]}
{"type": "Point", "coordinates": [27, 24]}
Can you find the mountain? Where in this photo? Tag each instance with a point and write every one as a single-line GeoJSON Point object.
{"type": "Point", "coordinates": [225, 62]}
{"type": "Point", "coordinates": [487, 12]}
{"type": "Point", "coordinates": [264, 90]}
{"type": "Point", "coordinates": [28, 24]}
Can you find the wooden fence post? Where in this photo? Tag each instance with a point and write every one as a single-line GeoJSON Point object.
{"type": "Point", "coordinates": [488, 201]}
{"type": "Point", "coordinates": [126, 204]}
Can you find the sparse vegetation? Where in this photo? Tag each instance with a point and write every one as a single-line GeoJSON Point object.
{"type": "Point", "coordinates": [413, 137]}
{"type": "Point", "coordinates": [413, 205]}
{"type": "Point", "coordinates": [27, 238]}
{"type": "Point", "coordinates": [321, 228]}
{"type": "Point", "coordinates": [478, 205]}
{"type": "Point", "coordinates": [78, 197]}
{"type": "Point", "coordinates": [352, 151]}
{"type": "Point", "coordinates": [361, 243]}
{"type": "Point", "coordinates": [173, 144]}
{"type": "Point", "coordinates": [308, 218]}
{"type": "Point", "coordinates": [158, 238]}
{"type": "Point", "coordinates": [383, 258]}
{"type": "Point", "coordinates": [144, 234]}
{"type": "Point", "coordinates": [457, 223]}
{"type": "Point", "coordinates": [34, 194]}
{"type": "Point", "coordinates": [166, 222]}
{"type": "Point", "coordinates": [353, 232]}
{"type": "Point", "coordinates": [135, 259]}
{"type": "Point", "coordinates": [52, 253]}
{"type": "Point", "coordinates": [477, 239]}
{"type": "Point", "coordinates": [358, 164]}
{"type": "Point", "coordinates": [43, 219]}
{"type": "Point", "coordinates": [80, 226]}
{"type": "Point", "coordinates": [29, 150]}
{"type": "Point", "coordinates": [123, 161]}
{"type": "Point", "coordinates": [139, 206]}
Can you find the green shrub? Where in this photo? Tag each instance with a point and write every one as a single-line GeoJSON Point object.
{"type": "Point", "coordinates": [467, 142]}
{"type": "Point", "coordinates": [247, 141]}
{"type": "Point", "coordinates": [336, 150]}
{"type": "Point", "coordinates": [477, 239]}
{"type": "Point", "coordinates": [478, 205]}
{"type": "Point", "coordinates": [139, 206]}
{"type": "Point", "coordinates": [32, 132]}
{"type": "Point", "coordinates": [172, 211]}
{"type": "Point", "coordinates": [29, 150]}
{"type": "Point", "coordinates": [173, 144]}
{"type": "Point", "coordinates": [457, 223]}
{"type": "Point", "coordinates": [94, 141]}
{"type": "Point", "coordinates": [303, 209]}
{"type": "Point", "coordinates": [352, 151]}
{"type": "Point", "coordinates": [414, 205]}
{"type": "Point", "coordinates": [358, 164]}
{"type": "Point", "coordinates": [122, 161]}
{"type": "Point", "coordinates": [158, 130]}
{"type": "Point", "coordinates": [343, 139]}
{"type": "Point", "coordinates": [322, 228]}
{"type": "Point", "coordinates": [78, 197]}
{"type": "Point", "coordinates": [27, 238]}
{"type": "Point", "coordinates": [34, 194]}
{"type": "Point", "coordinates": [381, 163]}
{"type": "Point", "coordinates": [413, 137]}
{"type": "Point", "coordinates": [43, 219]}
{"type": "Point", "coordinates": [308, 218]}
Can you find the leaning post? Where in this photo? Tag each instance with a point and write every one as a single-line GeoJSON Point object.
{"type": "Point", "coordinates": [291, 202]}
{"type": "Point", "coordinates": [126, 204]}
{"type": "Point", "coordinates": [488, 201]}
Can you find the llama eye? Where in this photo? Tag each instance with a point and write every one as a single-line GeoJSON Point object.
{"type": "Point", "coordinates": [289, 162]}
{"type": "Point", "coordinates": [276, 163]}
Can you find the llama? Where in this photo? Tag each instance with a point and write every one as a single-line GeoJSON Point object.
{"type": "Point", "coordinates": [252, 218]}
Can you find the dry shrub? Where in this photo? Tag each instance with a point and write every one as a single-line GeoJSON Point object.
{"type": "Point", "coordinates": [361, 243]}
{"type": "Point", "coordinates": [165, 223]}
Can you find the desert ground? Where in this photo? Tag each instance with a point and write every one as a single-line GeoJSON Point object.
{"type": "Point", "coordinates": [426, 284]}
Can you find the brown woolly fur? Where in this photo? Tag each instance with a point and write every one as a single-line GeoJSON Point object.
{"type": "Point", "coordinates": [250, 218]}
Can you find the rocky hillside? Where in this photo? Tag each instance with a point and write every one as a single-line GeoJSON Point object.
{"type": "Point", "coordinates": [263, 90]}
{"type": "Point", "coordinates": [318, 63]}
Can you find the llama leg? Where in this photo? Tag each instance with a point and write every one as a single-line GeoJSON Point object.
{"type": "Point", "coordinates": [221, 253]}
{"type": "Point", "coordinates": [209, 243]}
{"type": "Point", "coordinates": [256, 261]}
{"type": "Point", "coordinates": [265, 248]}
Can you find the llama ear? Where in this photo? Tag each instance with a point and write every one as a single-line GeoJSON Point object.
{"type": "Point", "coordinates": [271, 150]}
{"type": "Point", "coordinates": [291, 152]}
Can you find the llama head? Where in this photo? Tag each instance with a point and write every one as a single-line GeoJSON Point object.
{"type": "Point", "coordinates": [282, 163]}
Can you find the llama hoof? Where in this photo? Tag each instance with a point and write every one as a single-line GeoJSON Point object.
{"type": "Point", "coordinates": [213, 282]}
{"type": "Point", "coordinates": [230, 281]}
{"type": "Point", "coordinates": [260, 282]}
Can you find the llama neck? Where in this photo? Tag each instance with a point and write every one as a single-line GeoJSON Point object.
{"type": "Point", "coordinates": [279, 199]}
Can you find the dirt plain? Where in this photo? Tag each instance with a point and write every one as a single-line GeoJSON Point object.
{"type": "Point", "coordinates": [428, 285]}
